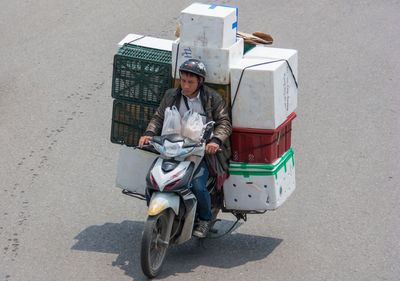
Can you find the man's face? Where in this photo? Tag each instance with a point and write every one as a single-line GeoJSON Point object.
{"type": "Point", "coordinates": [189, 85]}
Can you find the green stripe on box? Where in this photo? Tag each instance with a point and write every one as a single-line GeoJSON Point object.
{"type": "Point", "coordinates": [244, 169]}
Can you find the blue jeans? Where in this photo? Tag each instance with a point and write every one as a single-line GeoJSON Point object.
{"type": "Point", "coordinates": [199, 189]}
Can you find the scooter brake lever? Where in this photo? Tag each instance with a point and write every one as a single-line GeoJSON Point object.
{"type": "Point", "coordinates": [144, 146]}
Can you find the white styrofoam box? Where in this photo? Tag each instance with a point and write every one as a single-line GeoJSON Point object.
{"type": "Point", "coordinates": [261, 51]}
{"type": "Point", "coordinates": [260, 187]}
{"type": "Point", "coordinates": [216, 60]}
{"type": "Point", "coordinates": [267, 93]}
{"type": "Point", "coordinates": [133, 165]}
{"type": "Point", "coordinates": [205, 25]}
{"type": "Point", "coordinates": [147, 41]}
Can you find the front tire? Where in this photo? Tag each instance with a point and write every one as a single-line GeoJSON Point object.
{"type": "Point", "coordinates": [154, 248]}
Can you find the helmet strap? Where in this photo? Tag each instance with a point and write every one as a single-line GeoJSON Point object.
{"type": "Point", "coordinates": [199, 84]}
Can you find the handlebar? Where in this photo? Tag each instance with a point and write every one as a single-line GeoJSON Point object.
{"type": "Point", "coordinates": [150, 148]}
{"type": "Point", "coordinates": [144, 146]}
{"type": "Point", "coordinates": [147, 147]}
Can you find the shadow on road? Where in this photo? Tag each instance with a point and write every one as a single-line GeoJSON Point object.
{"type": "Point", "coordinates": [124, 239]}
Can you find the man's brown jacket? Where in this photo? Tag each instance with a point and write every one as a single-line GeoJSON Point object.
{"type": "Point", "coordinates": [215, 110]}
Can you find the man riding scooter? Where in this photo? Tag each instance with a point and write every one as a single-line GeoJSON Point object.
{"type": "Point", "coordinates": [193, 94]}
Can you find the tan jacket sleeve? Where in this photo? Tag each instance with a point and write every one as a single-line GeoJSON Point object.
{"type": "Point", "coordinates": [223, 125]}
{"type": "Point", "coordinates": [156, 123]}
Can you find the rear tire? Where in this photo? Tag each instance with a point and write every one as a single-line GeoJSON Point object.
{"type": "Point", "coordinates": [153, 250]}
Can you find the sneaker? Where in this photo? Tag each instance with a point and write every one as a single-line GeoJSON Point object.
{"type": "Point", "coordinates": [202, 229]}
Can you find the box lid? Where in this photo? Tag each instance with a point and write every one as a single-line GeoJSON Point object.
{"type": "Point", "coordinates": [270, 52]}
{"type": "Point", "coordinates": [263, 64]}
{"type": "Point", "coordinates": [146, 41]}
{"type": "Point", "coordinates": [211, 10]}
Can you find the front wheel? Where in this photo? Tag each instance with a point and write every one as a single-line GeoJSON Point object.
{"type": "Point", "coordinates": [154, 245]}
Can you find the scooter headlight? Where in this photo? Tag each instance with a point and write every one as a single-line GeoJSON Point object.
{"type": "Point", "coordinates": [157, 147]}
{"type": "Point", "coordinates": [186, 150]}
{"type": "Point", "coordinates": [156, 207]}
{"type": "Point", "coordinates": [172, 149]}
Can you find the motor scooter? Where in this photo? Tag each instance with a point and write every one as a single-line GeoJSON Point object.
{"type": "Point", "coordinates": [171, 203]}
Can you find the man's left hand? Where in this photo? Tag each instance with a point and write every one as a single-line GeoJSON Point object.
{"type": "Point", "coordinates": [211, 148]}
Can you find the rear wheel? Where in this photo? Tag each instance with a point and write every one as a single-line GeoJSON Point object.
{"type": "Point", "coordinates": [154, 246]}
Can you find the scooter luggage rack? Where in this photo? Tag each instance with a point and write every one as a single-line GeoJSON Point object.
{"type": "Point", "coordinates": [238, 214]}
{"type": "Point", "coordinates": [242, 213]}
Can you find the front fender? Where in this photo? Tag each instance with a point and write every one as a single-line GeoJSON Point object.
{"type": "Point", "coordinates": [162, 201]}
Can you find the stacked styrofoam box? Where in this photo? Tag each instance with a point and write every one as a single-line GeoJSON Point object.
{"type": "Point", "coordinates": [264, 96]}
{"type": "Point", "coordinates": [211, 26]}
{"type": "Point", "coordinates": [267, 93]}
{"type": "Point", "coordinates": [217, 60]}
{"type": "Point", "coordinates": [259, 187]}
{"type": "Point", "coordinates": [208, 33]}
{"type": "Point", "coordinates": [130, 175]}
{"type": "Point", "coordinates": [275, 53]}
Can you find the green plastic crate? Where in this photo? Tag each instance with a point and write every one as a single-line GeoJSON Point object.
{"type": "Point", "coordinates": [129, 121]}
{"type": "Point", "coordinates": [141, 74]}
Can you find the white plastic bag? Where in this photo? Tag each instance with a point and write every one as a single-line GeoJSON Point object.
{"type": "Point", "coordinates": [185, 119]}
{"type": "Point", "coordinates": [192, 125]}
{"type": "Point", "coordinates": [172, 121]}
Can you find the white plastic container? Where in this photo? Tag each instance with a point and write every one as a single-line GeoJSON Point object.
{"type": "Point", "coordinates": [217, 61]}
{"type": "Point", "coordinates": [261, 51]}
{"type": "Point", "coordinates": [205, 25]}
{"type": "Point", "coordinates": [133, 165]}
{"type": "Point", "coordinates": [146, 41]}
{"type": "Point", "coordinates": [260, 187]}
{"type": "Point", "coordinates": [267, 94]}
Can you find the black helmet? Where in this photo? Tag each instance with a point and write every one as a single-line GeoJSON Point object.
{"type": "Point", "coordinates": [194, 66]}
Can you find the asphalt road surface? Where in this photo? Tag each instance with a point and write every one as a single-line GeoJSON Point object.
{"type": "Point", "coordinates": [62, 218]}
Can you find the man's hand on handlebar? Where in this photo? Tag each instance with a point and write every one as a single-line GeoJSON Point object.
{"type": "Point", "coordinates": [212, 148]}
{"type": "Point", "coordinates": [144, 140]}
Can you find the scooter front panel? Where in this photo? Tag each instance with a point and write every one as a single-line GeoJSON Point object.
{"type": "Point", "coordinates": [162, 178]}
